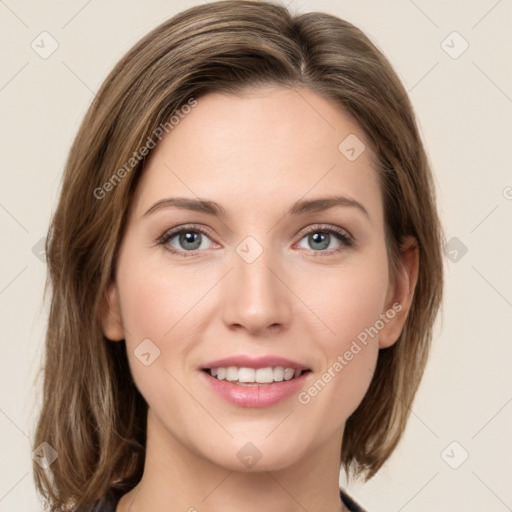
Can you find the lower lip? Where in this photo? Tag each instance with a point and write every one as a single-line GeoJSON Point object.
{"type": "Point", "coordinates": [262, 395]}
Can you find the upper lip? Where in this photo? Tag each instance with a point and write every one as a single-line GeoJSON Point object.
{"type": "Point", "coordinates": [245, 361]}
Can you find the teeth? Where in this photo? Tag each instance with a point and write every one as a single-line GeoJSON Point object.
{"type": "Point", "coordinates": [232, 373]}
{"type": "Point", "coordinates": [264, 375]}
{"type": "Point", "coordinates": [251, 375]}
{"type": "Point", "coordinates": [278, 374]}
{"type": "Point", "coordinates": [246, 375]}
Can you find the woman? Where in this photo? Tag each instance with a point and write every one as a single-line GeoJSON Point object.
{"type": "Point", "coordinates": [240, 371]}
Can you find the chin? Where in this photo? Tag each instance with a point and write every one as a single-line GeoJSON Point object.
{"type": "Point", "coordinates": [256, 455]}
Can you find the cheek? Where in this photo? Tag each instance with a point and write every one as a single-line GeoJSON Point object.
{"type": "Point", "coordinates": [161, 310]}
{"type": "Point", "coordinates": [156, 299]}
{"type": "Point", "coordinates": [343, 303]}
{"type": "Point", "coordinates": [348, 305]}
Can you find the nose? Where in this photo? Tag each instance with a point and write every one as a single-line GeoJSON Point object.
{"type": "Point", "coordinates": [257, 298]}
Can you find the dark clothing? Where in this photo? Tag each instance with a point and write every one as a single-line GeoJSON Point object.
{"type": "Point", "coordinates": [109, 504]}
{"type": "Point", "coordinates": [350, 503]}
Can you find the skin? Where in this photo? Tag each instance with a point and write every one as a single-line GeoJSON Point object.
{"type": "Point", "coordinates": [294, 301]}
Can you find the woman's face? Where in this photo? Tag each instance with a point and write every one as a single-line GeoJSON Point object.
{"type": "Point", "coordinates": [264, 277]}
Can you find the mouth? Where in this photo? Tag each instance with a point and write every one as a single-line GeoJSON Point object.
{"type": "Point", "coordinates": [245, 376]}
{"type": "Point", "coordinates": [255, 382]}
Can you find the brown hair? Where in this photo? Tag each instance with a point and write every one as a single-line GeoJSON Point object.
{"type": "Point", "coordinates": [92, 413]}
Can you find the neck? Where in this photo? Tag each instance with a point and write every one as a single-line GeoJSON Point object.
{"type": "Point", "coordinates": [177, 478]}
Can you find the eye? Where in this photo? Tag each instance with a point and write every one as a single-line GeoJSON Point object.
{"type": "Point", "coordinates": [188, 239]}
{"type": "Point", "coordinates": [320, 238]}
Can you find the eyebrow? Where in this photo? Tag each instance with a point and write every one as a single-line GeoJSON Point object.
{"type": "Point", "coordinates": [298, 208]}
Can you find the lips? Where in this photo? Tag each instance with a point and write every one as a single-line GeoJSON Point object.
{"type": "Point", "coordinates": [248, 381]}
{"type": "Point", "coordinates": [244, 361]}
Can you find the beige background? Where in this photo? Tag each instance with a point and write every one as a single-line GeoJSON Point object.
{"type": "Point", "coordinates": [464, 105]}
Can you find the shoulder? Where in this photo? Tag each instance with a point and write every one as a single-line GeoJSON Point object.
{"type": "Point", "coordinates": [350, 503]}
{"type": "Point", "coordinates": [109, 504]}
{"type": "Point", "coordinates": [100, 506]}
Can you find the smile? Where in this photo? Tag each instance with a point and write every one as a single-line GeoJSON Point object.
{"type": "Point", "coordinates": [252, 376]}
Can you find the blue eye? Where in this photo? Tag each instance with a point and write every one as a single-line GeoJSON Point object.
{"type": "Point", "coordinates": [189, 240]}
{"type": "Point", "coordinates": [321, 236]}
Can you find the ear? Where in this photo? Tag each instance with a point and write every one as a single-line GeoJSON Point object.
{"type": "Point", "coordinates": [110, 314]}
{"type": "Point", "coordinates": [401, 293]}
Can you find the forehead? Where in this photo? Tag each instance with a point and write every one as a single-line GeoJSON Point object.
{"type": "Point", "coordinates": [269, 146]}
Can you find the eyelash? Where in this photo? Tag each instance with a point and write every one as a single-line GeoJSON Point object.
{"type": "Point", "coordinates": [347, 240]}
